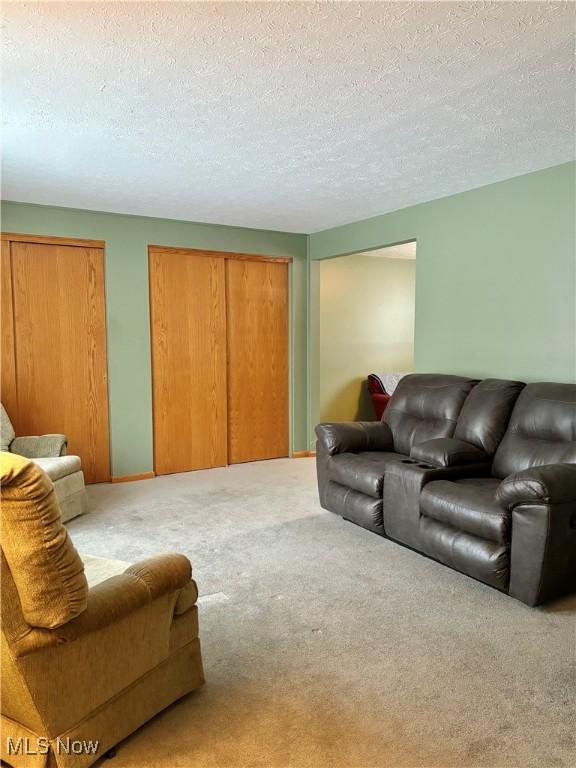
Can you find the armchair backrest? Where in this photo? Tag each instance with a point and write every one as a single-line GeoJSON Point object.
{"type": "Point", "coordinates": [541, 430]}
{"type": "Point", "coordinates": [425, 406]}
{"type": "Point", "coordinates": [44, 567]}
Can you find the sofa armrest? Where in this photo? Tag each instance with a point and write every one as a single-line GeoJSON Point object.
{"type": "Point", "coordinates": [354, 437]}
{"type": "Point", "coordinates": [548, 484]}
{"type": "Point", "coordinates": [39, 447]}
{"type": "Point", "coordinates": [541, 503]}
{"type": "Point", "coordinates": [448, 452]}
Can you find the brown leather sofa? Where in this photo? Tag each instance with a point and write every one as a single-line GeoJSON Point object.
{"type": "Point", "coordinates": [480, 475]}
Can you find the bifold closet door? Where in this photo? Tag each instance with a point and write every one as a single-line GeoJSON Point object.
{"type": "Point", "coordinates": [59, 347]}
{"type": "Point", "coordinates": [188, 329]}
{"type": "Point", "coordinates": [257, 305]}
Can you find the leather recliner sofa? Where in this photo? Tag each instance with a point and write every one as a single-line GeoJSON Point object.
{"type": "Point", "coordinates": [479, 475]}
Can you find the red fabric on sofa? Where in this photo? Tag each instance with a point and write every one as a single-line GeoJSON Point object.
{"type": "Point", "coordinates": [380, 402]}
{"type": "Point", "coordinates": [378, 395]}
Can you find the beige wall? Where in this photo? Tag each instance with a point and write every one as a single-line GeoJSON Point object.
{"type": "Point", "coordinates": [366, 325]}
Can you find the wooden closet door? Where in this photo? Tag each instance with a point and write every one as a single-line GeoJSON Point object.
{"type": "Point", "coordinates": [188, 329]}
{"type": "Point", "coordinates": [60, 344]}
{"type": "Point", "coordinates": [257, 360]}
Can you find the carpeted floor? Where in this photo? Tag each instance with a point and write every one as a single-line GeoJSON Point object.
{"type": "Point", "coordinates": [328, 646]}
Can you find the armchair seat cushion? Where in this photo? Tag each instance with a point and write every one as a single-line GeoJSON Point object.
{"type": "Point", "coordinates": [363, 472]}
{"type": "Point", "coordinates": [468, 505]}
{"type": "Point", "coordinates": [59, 466]}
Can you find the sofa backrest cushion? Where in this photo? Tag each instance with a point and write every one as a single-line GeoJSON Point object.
{"type": "Point", "coordinates": [424, 406]}
{"type": "Point", "coordinates": [46, 568]}
{"type": "Point", "coordinates": [542, 429]}
{"type": "Point", "coordinates": [486, 412]}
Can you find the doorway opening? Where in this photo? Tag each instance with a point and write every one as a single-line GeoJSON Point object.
{"type": "Point", "coordinates": [367, 309]}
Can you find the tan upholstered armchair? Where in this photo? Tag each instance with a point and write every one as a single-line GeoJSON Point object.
{"type": "Point", "coordinates": [79, 664]}
{"type": "Point", "coordinates": [49, 452]}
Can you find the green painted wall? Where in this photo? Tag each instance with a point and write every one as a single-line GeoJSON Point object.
{"type": "Point", "coordinates": [495, 289]}
{"type": "Point", "coordinates": [495, 277]}
{"type": "Point", "coordinates": [127, 308]}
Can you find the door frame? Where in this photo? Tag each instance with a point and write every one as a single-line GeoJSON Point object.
{"type": "Point", "coordinates": [49, 240]}
{"type": "Point", "coordinates": [218, 254]}
{"type": "Point", "coordinates": [6, 238]}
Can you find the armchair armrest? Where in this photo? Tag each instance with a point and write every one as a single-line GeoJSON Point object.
{"type": "Point", "coordinates": [549, 484]}
{"type": "Point", "coordinates": [354, 437]}
{"type": "Point", "coordinates": [115, 599]}
{"type": "Point", "coordinates": [165, 573]}
{"type": "Point", "coordinates": [448, 452]}
{"type": "Point", "coordinates": [39, 447]}
{"type": "Point", "coordinates": [141, 583]}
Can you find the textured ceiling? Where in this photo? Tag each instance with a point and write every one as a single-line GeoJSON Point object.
{"type": "Point", "coordinates": [292, 116]}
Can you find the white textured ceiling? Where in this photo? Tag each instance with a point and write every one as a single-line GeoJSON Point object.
{"type": "Point", "coordinates": [292, 116]}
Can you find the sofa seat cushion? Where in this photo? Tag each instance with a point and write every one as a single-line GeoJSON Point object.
{"type": "Point", "coordinates": [355, 506]}
{"type": "Point", "coordinates": [469, 505]}
{"type": "Point", "coordinates": [487, 561]}
{"type": "Point", "coordinates": [364, 472]}
{"type": "Point", "coordinates": [59, 466]}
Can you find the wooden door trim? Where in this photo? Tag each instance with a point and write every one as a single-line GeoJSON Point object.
{"type": "Point", "coordinates": [227, 342]}
{"type": "Point", "coordinates": [49, 240]}
{"type": "Point", "coordinates": [151, 332]}
{"type": "Point", "coordinates": [7, 332]}
{"type": "Point", "coordinates": [160, 249]}
{"type": "Point", "coordinates": [106, 359]}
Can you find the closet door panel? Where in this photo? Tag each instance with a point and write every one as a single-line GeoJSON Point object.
{"type": "Point", "coordinates": [257, 360]}
{"type": "Point", "coordinates": [60, 336]}
{"type": "Point", "coordinates": [188, 329]}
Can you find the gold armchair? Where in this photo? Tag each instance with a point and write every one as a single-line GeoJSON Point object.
{"type": "Point", "coordinates": [83, 668]}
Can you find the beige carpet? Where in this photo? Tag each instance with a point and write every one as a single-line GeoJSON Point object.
{"type": "Point", "coordinates": [326, 645]}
